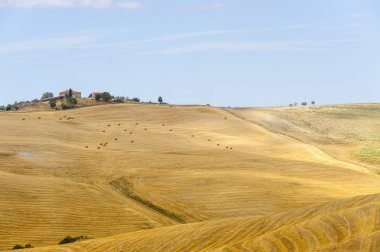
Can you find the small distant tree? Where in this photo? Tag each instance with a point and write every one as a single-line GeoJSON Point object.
{"type": "Point", "coordinates": [69, 239]}
{"type": "Point", "coordinates": [52, 103]}
{"type": "Point", "coordinates": [98, 97]}
{"type": "Point", "coordinates": [35, 100]}
{"type": "Point", "coordinates": [135, 99]}
{"type": "Point", "coordinates": [9, 107]}
{"type": "Point", "coordinates": [47, 95]}
{"type": "Point", "coordinates": [160, 100]}
{"type": "Point", "coordinates": [70, 93]}
{"type": "Point", "coordinates": [304, 103]}
{"type": "Point", "coordinates": [291, 105]}
{"type": "Point", "coordinates": [69, 103]}
{"type": "Point", "coordinates": [313, 103]}
{"type": "Point", "coordinates": [2, 107]}
{"type": "Point", "coordinates": [295, 104]}
{"type": "Point", "coordinates": [64, 106]}
{"type": "Point", "coordinates": [107, 97]}
{"type": "Point", "coordinates": [18, 246]}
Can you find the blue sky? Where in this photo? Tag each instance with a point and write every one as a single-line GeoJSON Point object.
{"type": "Point", "coordinates": [226, 53]}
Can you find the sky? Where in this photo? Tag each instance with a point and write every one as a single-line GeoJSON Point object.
{"type": "Point", "coordinates": [242, 53]}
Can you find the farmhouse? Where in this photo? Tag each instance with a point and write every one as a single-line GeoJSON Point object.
{"type": "Point", "coordinates": [75, 94]}
{"type": "Point", "coordinates": [93, 94]}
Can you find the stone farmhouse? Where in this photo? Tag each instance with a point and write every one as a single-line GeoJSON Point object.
{"type": "Point", "coordinates": [75, 94]}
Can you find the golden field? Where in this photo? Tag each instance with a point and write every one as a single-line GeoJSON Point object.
{"type": "Point", "coordinates": [189, 178]}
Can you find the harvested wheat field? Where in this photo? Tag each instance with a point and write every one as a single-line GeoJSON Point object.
{"type": "Point", "coordinates": [136, 177]}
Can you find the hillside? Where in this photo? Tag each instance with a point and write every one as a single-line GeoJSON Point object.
{"type": "Point", "coordinates": [345, 225]}
{"type": "Point", "coordinates": [108, 170]}
{"type": "Point", "coordinates": [350, 132]}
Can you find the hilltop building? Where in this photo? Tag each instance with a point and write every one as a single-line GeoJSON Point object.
{"type": "Point", "coordinates": [93, 94]}
{"type": "Point", "coordinates": [75, 94]}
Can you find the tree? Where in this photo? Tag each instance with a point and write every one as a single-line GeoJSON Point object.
{"type": "Point", "coordinates": [135, 99]}
{"type": "Point", "coordinates": [106, 97]}
{"type": "Point", "coordinates": [18, 246]}
{"type": "Point", "coordinates": [9, 107]}
{"type": "Point", "coordinates": [290, 105]}
{"type": "Point", "coordinates": [98, 97]}
{"type": "Point", "coordinates": [52, 103]}
{"type": "Point", "coordinates": [160, 100]}
{"type": "Point", "coordinates": [304, 103]}
{"type": "Point", "coordinates": [70, 93]}
{"type": "Point", "coordinates": [47, 95]}
{"type": "Point", "coordinates": [69, 103]}
{"type": "Point", "coordinates": [313, 102]}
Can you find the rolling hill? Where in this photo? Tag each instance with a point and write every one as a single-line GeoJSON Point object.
{"type": "Point", "coordinates": [142, 177]}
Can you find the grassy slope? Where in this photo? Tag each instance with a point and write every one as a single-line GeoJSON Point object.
{"type": "Point", "coordinates": [344, 225]}
{"type": "Point", "coordinates": [52, 186]}
{"type": "Point", "coordinates": [351, 132]}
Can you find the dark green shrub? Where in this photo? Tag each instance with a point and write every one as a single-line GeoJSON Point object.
{"type": "Point", "coordinates": [98, 97]}
{"type": "Point", "coordinates": [18, 246]}
{"type": "Point", "coordinates": [65, 106]}
{"type": "Point", "coordinates": [107, 97]}
{"type": "Point", "coordinates": [69, 239]}
{"type": "Point", "coordinates": [52, 103]}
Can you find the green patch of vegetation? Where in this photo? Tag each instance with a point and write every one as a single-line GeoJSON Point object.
{"type": "Point", "coordinates": [369, 154]}
{"type": "Point", "coordinates": [127, 192]}
{"type": "Point", "coordinates": [18, 246]}
{"type": "Point", "coordinates": [69, 239]}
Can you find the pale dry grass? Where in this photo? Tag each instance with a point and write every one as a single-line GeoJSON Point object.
{"type": "Point", "coordinates": [344, 225]}
{"type": "Point", "coordinates": [57, 172]}
{"type": "Point", "coordinates": [349, 132]}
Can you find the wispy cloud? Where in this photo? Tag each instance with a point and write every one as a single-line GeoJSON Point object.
{"type": "Point", "coordinates": [69, 4]}
{"type": "Point", "coordinates": [73, 41]}
{"type": "Point", "coordinates": [96, 42]}
{"type": "Point", "coordinates": [93, 40]}
{"type": "Point", "coordinates": [247, 46]}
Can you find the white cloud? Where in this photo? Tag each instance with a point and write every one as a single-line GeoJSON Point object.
{"type": "Point", "coordinates": [129, 5]}
{"type": "Point", "coordinates": [69, 3]}
{"type": "Point", "coordinates": [203, 7]}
